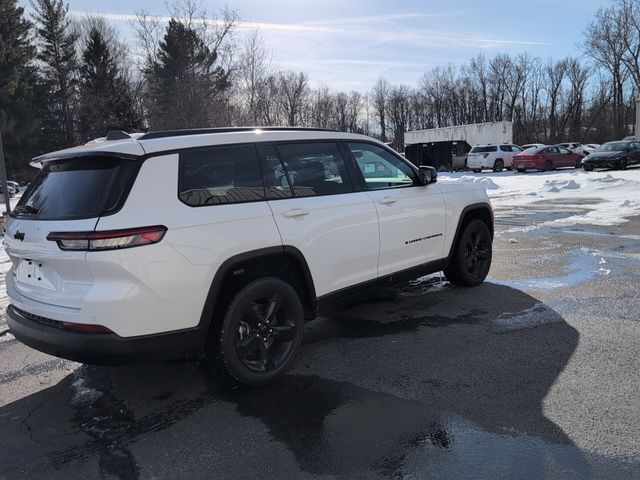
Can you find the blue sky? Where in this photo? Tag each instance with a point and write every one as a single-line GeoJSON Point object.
{"type": "Point", "coordinates": [348, 44]}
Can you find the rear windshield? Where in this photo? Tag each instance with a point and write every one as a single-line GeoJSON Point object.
{"type": "Point", "coordinates": [484, 149]}
{"type": "Point", "coordinates": [77, 188]}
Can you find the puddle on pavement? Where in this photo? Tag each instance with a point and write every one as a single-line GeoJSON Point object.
{"type": "Point", "coordinates": [353, 432]}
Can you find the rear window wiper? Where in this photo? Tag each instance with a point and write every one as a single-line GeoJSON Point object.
{"type": "Point", "coordinates": [26, 209]}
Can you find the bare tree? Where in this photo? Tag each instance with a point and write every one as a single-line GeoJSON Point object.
{"type": "Point", "coordinates": [606, 38]}
{"type": "Point", "coordinates": [255, 67]}
{"type": "Point", "coordinates": [292, 88]}
{"type": "Point", "coordinates": [379, 97]}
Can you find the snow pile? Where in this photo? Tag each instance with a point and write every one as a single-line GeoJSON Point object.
{"type": "Point", "coordinates": [599, 198]}
{"type": "Point", "coordinates": [486, 182]}
{"type": "Point", "coordinates": [555, 186]}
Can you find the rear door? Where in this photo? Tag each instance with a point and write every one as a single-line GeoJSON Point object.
{"type": "Point", "coordinates": [317, 211]}
{"type": "Point", "coordinates": [565, 158]}
{"type": "Point", "coordinates": [65, 196]}
{"type": "Point", "coordinates": [411, 216]}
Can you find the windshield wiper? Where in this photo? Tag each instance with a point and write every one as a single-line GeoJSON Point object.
{"type": "Point", "coordinates": [26, 209]}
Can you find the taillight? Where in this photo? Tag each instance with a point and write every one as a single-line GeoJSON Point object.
{"type": "Point", "coordinates": [108, 240]}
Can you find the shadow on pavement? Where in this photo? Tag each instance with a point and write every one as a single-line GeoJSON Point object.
{"type": "Point", "coordinates": [422, 383]}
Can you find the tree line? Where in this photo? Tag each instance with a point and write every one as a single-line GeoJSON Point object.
{"type": "Point", "coordinates": [65, 81]}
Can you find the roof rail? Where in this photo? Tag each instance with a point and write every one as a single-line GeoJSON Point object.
{"type": "Point", "coordinates": [203, 131]}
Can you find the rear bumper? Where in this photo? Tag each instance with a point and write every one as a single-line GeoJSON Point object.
{"type": "Point", "coordinates": [102, 349]}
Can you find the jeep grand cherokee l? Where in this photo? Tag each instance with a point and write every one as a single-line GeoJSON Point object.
{"type": "Point", "coordinates": [223, 242]}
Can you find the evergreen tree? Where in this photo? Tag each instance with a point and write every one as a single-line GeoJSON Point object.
{"type": "Point", "coordinates": [185, 83]}
{"type": "Point", "coordinates": [57, 53]}
{"type": "Point", "coordinates": [18, 123]}
{"type": "Point", "coordinates": [106, 102]}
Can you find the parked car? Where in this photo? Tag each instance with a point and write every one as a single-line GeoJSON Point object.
{"type": "Point", "coordinates": [630, 138]}
{"type": "Point", "coordinates": [494, 157]}
{"type": "Point", "coordinates": [546, 158]}
{"type": "Point", "coordinates": [613, 155]}
{"type": "Point", "coordinates": [529, 146]}
{"type": "Point", "coordinates": [175, 244]}
{"type": "Point", "coordinates": [589, 148]}
{"type": "Point", "coordinates": [575, 147]}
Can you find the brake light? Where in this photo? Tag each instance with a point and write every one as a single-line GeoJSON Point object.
{"type": "Point", "coordinates": [108, 240]}
{"type": "Point", "coordinates": [85, 328]}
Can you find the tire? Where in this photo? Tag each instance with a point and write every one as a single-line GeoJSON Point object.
{"type": "Point", "coordinates": [623, 164]}
{"type": "Point", "coordinates": [588, 168]}
{"type": "Point", "coordinates": [498, 166]}
{"type": "Point", "coordinates": [258, 339]}
{"type": "Point", "coordinates": [471, 258]}
{"type": "Point", "coordinates": [579, 163]}
{"type": "Point", "coordinates": [522, 170]}
{"type": "Point", "coordinates": [548, 166]}
{"type": "Point", "coordinates": [476, 170]}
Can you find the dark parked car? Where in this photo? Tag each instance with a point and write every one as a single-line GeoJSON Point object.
{"type": "Point", "coordinates": [613, 155]}
{"type": "Point", "coordinates": [546, 158]}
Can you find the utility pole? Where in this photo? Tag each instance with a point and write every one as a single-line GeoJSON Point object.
{"type": "Point", "coordinates": [3, 179]}
{"type": "Point", "coordinates": [637, 129]}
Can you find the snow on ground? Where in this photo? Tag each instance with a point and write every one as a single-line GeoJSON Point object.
{"type": "Point", "coordinates": [603, 197]}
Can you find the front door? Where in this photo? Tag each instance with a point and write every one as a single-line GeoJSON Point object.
{"type": "Point", "coordinates": [411, 216]}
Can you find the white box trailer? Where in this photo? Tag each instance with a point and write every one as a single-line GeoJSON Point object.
{"type": "Point", "coordinates": [446, 148]}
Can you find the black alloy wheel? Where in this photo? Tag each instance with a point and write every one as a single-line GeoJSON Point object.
{"type": "Point", "coordinates": [623, 164]}
{"type": "Point", "coordinates": [471, 259]}
{"type": "Point", "coordinates": [260, 333]}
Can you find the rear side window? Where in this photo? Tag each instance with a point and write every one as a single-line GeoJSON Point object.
{"type": "Point", "coordinates": [315, 169]}
{"type": "Point", "coordinates": [77, 188]}
{"type": "Point", "coordinates": [219, 176]}
{"type": "Point", "coordinates": [484, 149]}
{"type": "Point", "coordinates": [505, 148]}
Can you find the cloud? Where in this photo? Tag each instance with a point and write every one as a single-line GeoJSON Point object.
{"type": "Point", "coordinates": [364, 27]}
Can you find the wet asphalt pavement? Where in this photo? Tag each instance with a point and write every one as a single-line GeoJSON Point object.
{"type": "Point", "coordinates": [534, 374]}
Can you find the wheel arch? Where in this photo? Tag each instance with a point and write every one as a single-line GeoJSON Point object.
{"type": "Point", "coordinates": [285, 262]}
{"type": "Point", "coordinates": [477, 211]}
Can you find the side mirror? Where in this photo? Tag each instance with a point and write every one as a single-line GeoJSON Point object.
{"type": "Point", "coordinates": [427, 175]}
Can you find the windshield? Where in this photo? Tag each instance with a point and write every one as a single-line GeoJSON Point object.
{"type": "Point", "coordinates": [613, 147]}
{"type": "Point", "coordinates": [77, 188]}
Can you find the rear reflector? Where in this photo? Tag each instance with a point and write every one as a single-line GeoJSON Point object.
{"type": "Point", "coordinates": [108, 240]}
{"type": "Point", "coordinates": [85, 328]}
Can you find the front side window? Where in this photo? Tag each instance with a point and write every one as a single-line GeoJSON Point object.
{"type": "Point", "coordinates": [314, 169]}
{"type": "Point", "coordinates": [220, 175]}
{"type": "Point", "coordinates": [380, 168]}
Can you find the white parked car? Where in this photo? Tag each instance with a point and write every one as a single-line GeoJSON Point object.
{"type": "Point", "coordinates": [493, 157]}
{"type": "Point", "coordinates": [589, 148]}
{"type": "Point", "coordinates": [575, 147]}
{"type": "Point", "coordinates": [223, 242]}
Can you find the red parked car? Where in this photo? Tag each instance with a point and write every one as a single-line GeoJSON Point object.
{"type": "Point", "coordinates": [546, 158]}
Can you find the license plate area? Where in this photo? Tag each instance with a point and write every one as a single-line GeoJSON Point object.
{"type": "Point", "coordinates": [34, 273]}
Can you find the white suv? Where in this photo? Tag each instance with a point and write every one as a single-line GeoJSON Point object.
{"type": "Point", "coordinates": [494, 157]}
{"type": "Point", "coordinates": [224, 241]}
